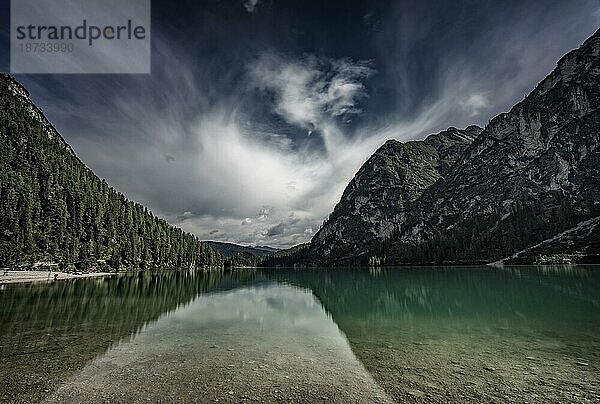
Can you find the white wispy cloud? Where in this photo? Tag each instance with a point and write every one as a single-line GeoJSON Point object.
{"type": "Point", "coordinates": [310, 91]}
{"type": "Point", "coordinates": [250, 5]}
{"type": "Point", "coordinates": [475, 103]}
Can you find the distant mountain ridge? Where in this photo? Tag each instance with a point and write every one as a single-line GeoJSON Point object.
{"type": "Point", "coordinates": [55, 212]}
{"type": "Point", "coordinates": [228, 250]}
{"type": "Point", "coordinates": [530, 175]}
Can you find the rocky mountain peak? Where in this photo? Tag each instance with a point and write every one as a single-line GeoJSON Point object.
{"type": "Point", "coordinates": [538, 159]}
{"type": "Point", "coordinates": [478, 195]}
{"type": "Point", "coordinates": [373, 204]}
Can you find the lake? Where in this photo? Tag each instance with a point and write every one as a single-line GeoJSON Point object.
{"type": "Point", "coordinates": [430, 334]}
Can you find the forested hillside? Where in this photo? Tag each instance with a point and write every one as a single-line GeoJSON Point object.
{"type": "Point", "coordinates": [56, 211]}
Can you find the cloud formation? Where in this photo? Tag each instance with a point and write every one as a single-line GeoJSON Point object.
{"type": "Point", "coordinates": [254, 144]}
{"type": "Point", "coordinates": [310, 91]}
{"type": "Point", "coordinates": [250, 5]}
{"type": "Point", "coordinates": [276, 230]}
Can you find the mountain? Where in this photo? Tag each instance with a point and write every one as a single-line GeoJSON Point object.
{"type": "Point", "coordinates": [228, 250]}
{"type": "Point", "coordinates": [239, 256]}
{"type": "Point", "coordinates": [55, 212]}
{"type": "Point", "coordinates": [374, 204]}
{"type": "Point", "coordinates": [265, 248]}
{"type": "Point", "coordinates": [530, 175]}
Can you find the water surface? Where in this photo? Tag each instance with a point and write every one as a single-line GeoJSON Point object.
{"type": "Point", "coordinates": [475, 334]}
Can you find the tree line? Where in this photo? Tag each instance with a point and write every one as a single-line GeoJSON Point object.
{"type": "Point", "coordinates": [54, 209]}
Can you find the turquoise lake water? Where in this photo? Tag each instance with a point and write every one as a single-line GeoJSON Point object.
{"type": "Point", "coordinates": [434, 334]}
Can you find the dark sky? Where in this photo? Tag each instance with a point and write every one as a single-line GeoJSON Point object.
{"type": "Point", "coordinates": [257, 113]}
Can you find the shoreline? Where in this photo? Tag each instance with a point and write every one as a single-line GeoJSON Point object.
{"type": "Point", "coordinates": [9, 277]}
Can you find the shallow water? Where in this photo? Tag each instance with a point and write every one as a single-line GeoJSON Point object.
{"type": "Point", "coordinates": [475, 334]}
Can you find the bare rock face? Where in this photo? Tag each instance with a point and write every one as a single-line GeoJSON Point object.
{"type": "Point", "coordinates": [374, 204]}
{"type": "Point", "coordinates": [531, 174]}
{"type": "Point", "coordinates": [474, 196]}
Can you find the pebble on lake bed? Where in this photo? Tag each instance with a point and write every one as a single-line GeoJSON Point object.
{"type": "Point", "coordinates": [415, 393]}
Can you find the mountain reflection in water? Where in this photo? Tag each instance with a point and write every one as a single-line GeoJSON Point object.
{"type": "Point", "coordinates": [469, 334]}
{"type": "Point", "coordinates": [426, 334]}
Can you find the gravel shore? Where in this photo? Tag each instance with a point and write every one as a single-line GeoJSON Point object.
{"type": "Point", "coordinates": [45, 276]}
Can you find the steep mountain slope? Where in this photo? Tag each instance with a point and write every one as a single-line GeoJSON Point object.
{"type": "Point", "coordinates": [373, 205]}
{"type": "Point", "coordinates": [580, 244]}
{"type": "Point", "coordinates": [55, 211]}
{"type": "Point", "coordinates": [531, 174]}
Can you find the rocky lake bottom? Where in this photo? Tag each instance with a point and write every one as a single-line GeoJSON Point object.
{"type": "Point", "coordinates": [444, 334]}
